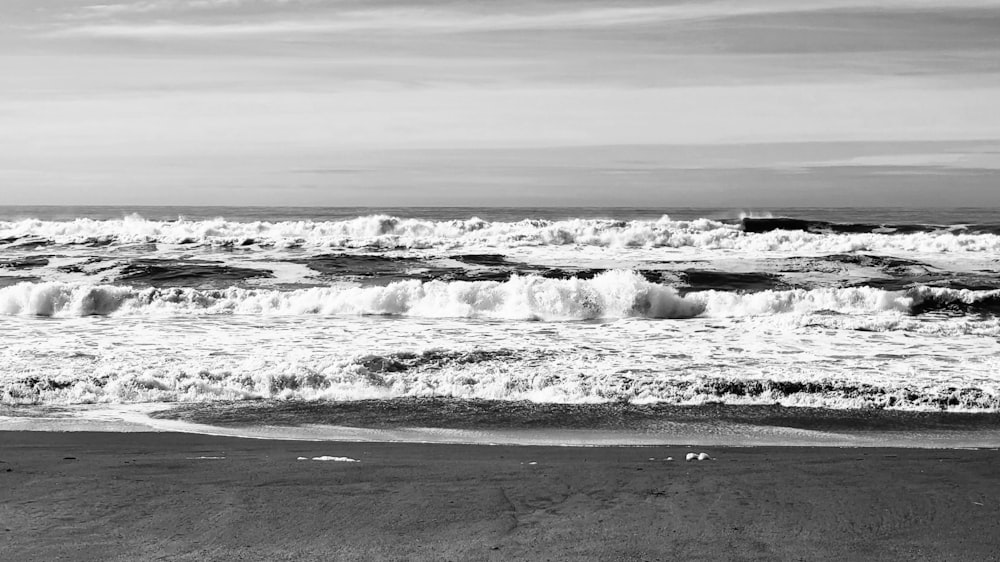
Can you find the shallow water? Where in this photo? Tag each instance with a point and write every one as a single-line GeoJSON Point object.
{"type": "Point", "coordinates": [480, 422]}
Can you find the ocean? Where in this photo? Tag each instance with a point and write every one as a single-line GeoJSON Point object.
{"type": "Point", "coordinates": [823, 309]}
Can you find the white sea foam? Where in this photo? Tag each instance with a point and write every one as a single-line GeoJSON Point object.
{"type": "Point", "coordinates": [612, 294]}
{"type": "Point", "coordinates": [849, 300]}
{"type": "Point", "coordinates": [806, 360]}
{"type": "Point", "coordinates": [393, 232]}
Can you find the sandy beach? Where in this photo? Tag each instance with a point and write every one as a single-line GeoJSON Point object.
{"type": "Point", "coordinates": [170, 496]}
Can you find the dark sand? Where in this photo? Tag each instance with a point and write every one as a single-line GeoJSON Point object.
{"type": "Point", "coordinates": [141, 496]}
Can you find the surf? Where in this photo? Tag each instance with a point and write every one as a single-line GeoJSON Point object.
{"type": "Point", "coordinates": [611, 294]}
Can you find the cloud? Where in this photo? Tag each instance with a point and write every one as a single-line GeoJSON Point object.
{"type": "Point", "coordinates": [291, 121]}
{"type": "Point", "coordinates": [429, 18]}
{"type": "Point", "coordinates": [953, 160]}
{"type": "Point", "coordinates": [152, 6]}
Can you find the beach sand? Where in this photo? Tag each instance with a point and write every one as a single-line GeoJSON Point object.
{"type": "Point", "coordinates": [151, 496]}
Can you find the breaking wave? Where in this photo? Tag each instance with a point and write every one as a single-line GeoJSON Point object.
{"type": "Point", "coordinates": [500, 374]}
{"type": "Point", "coordinates": [612, 294]}
{"type": "Point", "coordinates": [382, 231]}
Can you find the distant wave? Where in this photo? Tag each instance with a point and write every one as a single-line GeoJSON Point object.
{"type": "Point", "coordinates": [767, 224]}
{"type": "Point", "coordinates": [382, 231]}
{"type": "Point", "coordinates": [613, 294]}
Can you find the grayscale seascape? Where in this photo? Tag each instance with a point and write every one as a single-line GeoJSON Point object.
{"type": "Point", "coordinates": [482, 280]}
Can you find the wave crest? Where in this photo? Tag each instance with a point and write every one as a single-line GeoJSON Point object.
{"type": "Point", "coordinates": [383, 231]}
{"type": "Point", "coordinates": [612, 294]}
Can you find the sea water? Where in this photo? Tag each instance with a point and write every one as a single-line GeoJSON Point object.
{"type": "Point", "coordinates": [829, 308]}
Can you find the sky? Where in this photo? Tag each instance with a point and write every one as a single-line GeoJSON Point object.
{"type": "Point", "coordinates": [742, 103]}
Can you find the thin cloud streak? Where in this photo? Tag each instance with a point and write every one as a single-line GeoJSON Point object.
{"type": "Point", "coordinates": [437, 20]}
{"type": "Point", "coordinates": [444, 119]}
{"type": "Point", "coordinates": [151, 6]}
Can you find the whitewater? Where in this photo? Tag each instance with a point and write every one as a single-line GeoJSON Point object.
{"type": "Point", "coordinates": [821, 308]}
{"type": "Point", "coordinates": [388, 232]}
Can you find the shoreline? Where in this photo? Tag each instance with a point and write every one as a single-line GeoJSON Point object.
{"type": "Point", "coordinates": [124, 496]}
{"type": "Point", "coordinates": [450, 421]}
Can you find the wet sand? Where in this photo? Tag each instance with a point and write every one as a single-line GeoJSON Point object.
{"type": "Point", "coordinates": [147, 496]}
